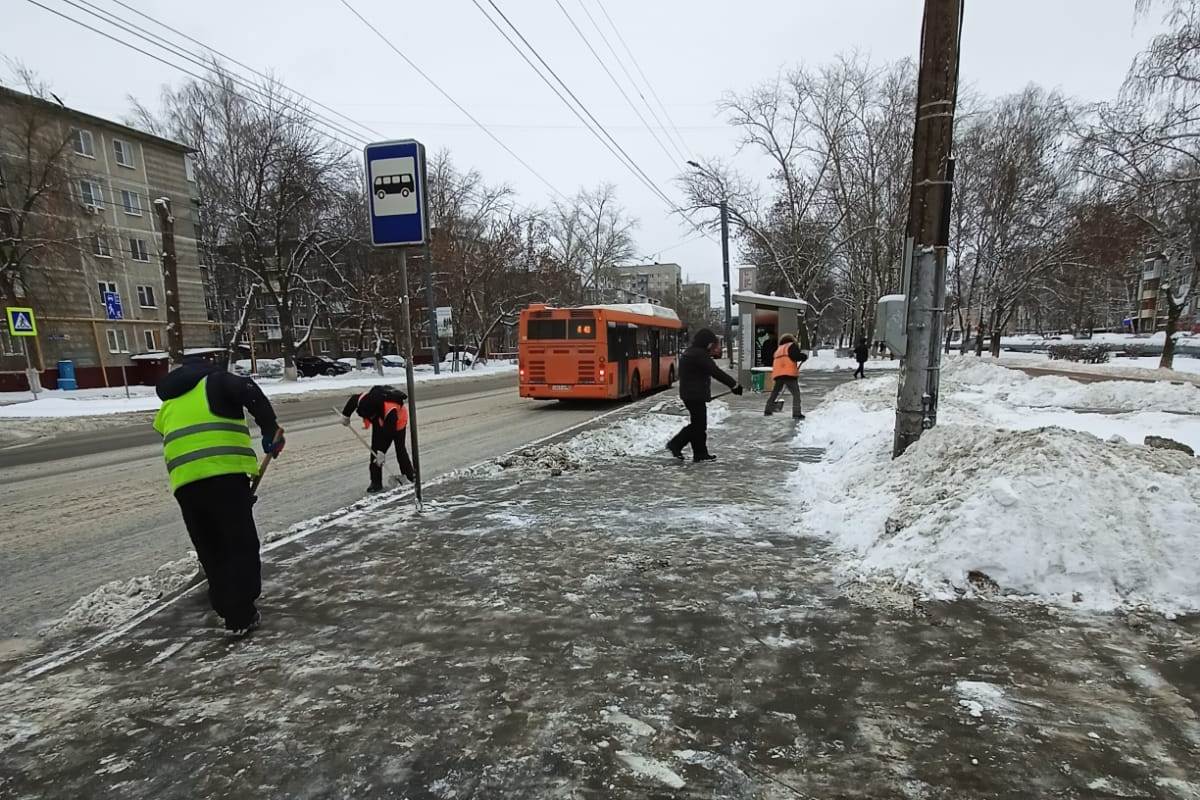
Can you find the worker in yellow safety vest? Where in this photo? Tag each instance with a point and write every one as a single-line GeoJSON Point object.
{"type": "Point", "coordinates": [210, 464]}
{"type": "Point", "coordinates": [785, 373]}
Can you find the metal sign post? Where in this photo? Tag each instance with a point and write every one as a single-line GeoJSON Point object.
{"type": "Point", "coordinates": [22, 323]}
{"type": "Point", "coordinates": [397, 209]}
{"type": "Point", "coordinates": [113, 310]}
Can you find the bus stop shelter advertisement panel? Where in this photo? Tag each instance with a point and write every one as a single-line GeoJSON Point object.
{"type": "Point", "coordinates": [395, 172]}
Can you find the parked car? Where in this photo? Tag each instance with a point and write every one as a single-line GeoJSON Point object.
{"type": "Point", "coordinates": [311, 366]}
{"type": "Point", "coordinates": [388, 361]}
{"type": "Point", "coordinates": [352, 363]}
{"type": "Point", "coordinates": [263, 367]}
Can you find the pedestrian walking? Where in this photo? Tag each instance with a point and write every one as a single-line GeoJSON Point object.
{"type": "Point", "coordinates": [861, 354]}
{"type": "Point", "coordinates": [385, 411]}
{"type": "Point", "coordinates": [696, 371]}
{"type": "Point", "coordinates": [785, 373]}
{"type": "Point", "coordinates": [210, 463]}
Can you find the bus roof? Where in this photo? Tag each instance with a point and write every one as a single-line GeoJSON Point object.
{"type": "Point", "coordinates": [642, 309]}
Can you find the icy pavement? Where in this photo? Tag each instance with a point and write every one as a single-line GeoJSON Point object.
{"type": "Point", "coordinates": [592, 620]}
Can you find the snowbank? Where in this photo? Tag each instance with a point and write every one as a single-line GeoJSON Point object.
{"type": "Point", "coordinates": [827, 362]}
{"type": "Point", "coordinates": [118, 601]}
{"type": "Point", "coordinates": [102, 402]}
{"type": "Point", "coordinates": [1058, 514]}
{"type": "Point", "coordinates": [1015, 486]}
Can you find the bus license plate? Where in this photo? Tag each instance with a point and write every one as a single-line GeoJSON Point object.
{"type": "Point", "coordinates": [561, 387]}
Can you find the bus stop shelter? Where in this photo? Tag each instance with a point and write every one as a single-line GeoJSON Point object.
{"type": "Point", "coordinates": [760, 315]}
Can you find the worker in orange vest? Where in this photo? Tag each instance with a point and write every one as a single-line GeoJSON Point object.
{"type": "Point", "coordinates": [385, 411]}
{"type": "Point", "coordinates": [785, 373]}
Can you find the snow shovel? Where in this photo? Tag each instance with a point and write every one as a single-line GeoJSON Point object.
{"type": "Point", "coordinates": [375, 457]}
{"type": "Point", "coordinates": [262, 466]}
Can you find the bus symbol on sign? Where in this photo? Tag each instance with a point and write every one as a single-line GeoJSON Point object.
{"type": "Point", "coordinates": [393, 184]}
{"type": "Point", "coordinates": [394, 187]}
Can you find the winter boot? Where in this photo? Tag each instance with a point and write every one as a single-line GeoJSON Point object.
{"type": "Point", "coordinates": [375, 488]}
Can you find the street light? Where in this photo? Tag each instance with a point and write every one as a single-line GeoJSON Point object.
{"type": "Point", "coordinates": [724, 206]}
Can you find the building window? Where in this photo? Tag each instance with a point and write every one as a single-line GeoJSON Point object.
{"type": "Point", "coordinates": [322, 345]}
{"type": "Point", "coordinates": [348, 345]}
{"type": "Point", "coordinates": [137, 250]}
{"type": "Point", "coordinates": [150, 346]}
{"type": "Point", "coordinates": [107, 287]}
{"type": "Point", "coordinates": [146, 297]}
{"type": "Point", "coordinates": [82, 141]}
{"type": "Point", "coordinates": [132, 203]}
{"type": "Point", "coordinates": [91, 195]}
{"type": "Point", "coordinates": [226, 305]}
{"type": "Point", "coordinates": [189, 168]}
{"type": "Point", "coordinates": [124, 152]}
{"type": "Point", "coordinates": [118, 342]}
{"type": "Point", "coordinates": [100, 246]}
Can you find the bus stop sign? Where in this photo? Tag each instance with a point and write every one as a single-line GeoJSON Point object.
{"type": "Point", "coordinates": [396, 205]}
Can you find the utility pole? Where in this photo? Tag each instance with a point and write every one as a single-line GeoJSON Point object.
{"type": "Point", "coordinates": [166, 222]}
{"type": "Point", "coordinates": [928, 222]}
{"type": "Point", "coordinates": [433, 329]}
{"type": "Point", "coordinates": [725, 273]}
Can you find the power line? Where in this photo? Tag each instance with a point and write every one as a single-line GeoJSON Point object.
{"type": "Point", "coordinates": [614, 80]}
{"type": "Point", "coordinates": [615, 148]}
{"type": "Point", "coordinates": [154, 39]}
{"type": "Point", "coordinates": [638, 67]}
{"type": "Point", "coordinates": [168, 63]}
{"type": "Point", "coordinates": [454, 102]}
{"type": "Point", "coordinates": [245, 66]}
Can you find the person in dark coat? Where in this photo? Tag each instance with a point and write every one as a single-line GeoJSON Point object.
{"type": "Point", "coordinates": [861, 353]}
{"type": "Point", "coordinates": [696, 372]}
{"type": "Point", "coordinates": [384, 410]}
{"type": "Point", "coordinates": [766, 351]}
{"type": "Point", "coordinates": [210, 463]}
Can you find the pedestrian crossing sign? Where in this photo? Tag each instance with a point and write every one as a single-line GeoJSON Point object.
{"type": "Point", "coordinates": [21, 321]}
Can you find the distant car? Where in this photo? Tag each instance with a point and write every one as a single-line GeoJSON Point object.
{"type": "Point", "coordinates": [388, 361]}
{"type": "Point", "coordinates": [352, 363]}
{"type": "Point", "coordinates": [311, 366]}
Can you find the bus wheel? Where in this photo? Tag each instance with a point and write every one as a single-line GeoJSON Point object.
{"type": "Point", "coordinates": [635, 388]}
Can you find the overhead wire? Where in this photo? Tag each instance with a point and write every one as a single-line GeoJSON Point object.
{"type": "Point", "coordinates": [582, 112]}
{"type": "Point", "coordinates": [452, 101]}
{"type": "Point", "coordinates": [162, 43]}
{"type": "Point", "coordinates": [638, 67]}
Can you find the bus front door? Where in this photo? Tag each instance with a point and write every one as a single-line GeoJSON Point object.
{"type": "Point", "coordinates": [655, 355]}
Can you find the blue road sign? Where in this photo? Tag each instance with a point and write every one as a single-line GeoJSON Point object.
{"type": "Point", "coordinates": [397, 206]}
{"type": "Point", "coordinates": [112, 305]}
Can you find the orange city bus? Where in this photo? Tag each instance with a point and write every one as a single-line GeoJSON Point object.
{"type": "Point", "coordinates": [604, 352]}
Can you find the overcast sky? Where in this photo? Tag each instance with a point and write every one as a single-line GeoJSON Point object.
{"type": "Point", "coordinates": [690, 50]}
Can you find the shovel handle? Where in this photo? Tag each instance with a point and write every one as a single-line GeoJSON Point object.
{"type": "Point", "coordinates": [266, 461]}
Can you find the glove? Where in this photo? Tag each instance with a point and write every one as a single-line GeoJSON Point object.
{"type": "Point", "coordinates": [271, 445]}
{"type": "Point", "coordinates": [738, 390]}
{"type": "Point", "coordinates": [378, 457]}
{"type": "Point", "coordinates": [345, 421]}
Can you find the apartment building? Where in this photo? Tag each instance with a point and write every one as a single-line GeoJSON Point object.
{"type": "Point", "coordinates": [660, 282]}
{"type": "Point", "coordinates": [98, 292]}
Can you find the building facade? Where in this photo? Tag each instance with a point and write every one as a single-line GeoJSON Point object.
{"type": "Point", "coordinates": [98, 292]}
{"type": "Point", "coordinates": [659, 282]}
{"type": "Point", "coordinates": [699, 290]}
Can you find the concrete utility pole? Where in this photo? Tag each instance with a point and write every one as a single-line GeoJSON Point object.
{"type": "Point", "coordinates": [725, 274]}
{"type": "Point", "coordinates": [166, 221]}
{"type": "Point", "coordinates": [929, 221]}
{"type": "Point", "coordinates": [433, 328]}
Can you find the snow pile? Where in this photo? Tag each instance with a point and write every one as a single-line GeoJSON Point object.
{"type": "Point", "coordinates": [117, 601]}
{"type": "Point", "coordinates": [975, 697]}
{"type": "Point", "coordinates": [1049, 512]}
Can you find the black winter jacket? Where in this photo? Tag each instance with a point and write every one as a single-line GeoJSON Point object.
{"type": "Point", "coordinates": [227, 394]}
{"type": "Point", "coordinates": [862, 353]}
{"type": "Point", "coordinates": [697, 369]}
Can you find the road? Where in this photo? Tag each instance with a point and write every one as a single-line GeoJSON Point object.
{"type": "Point", "coordinates": [82, 509]}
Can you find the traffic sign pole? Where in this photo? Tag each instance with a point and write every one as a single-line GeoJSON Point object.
{"type": "Point", "coordinates": [397, 210]}
{"type": "Point", "coordinates": [30, 373]}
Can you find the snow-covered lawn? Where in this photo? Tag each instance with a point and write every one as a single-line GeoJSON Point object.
{"type": "Point", "coordinates": [1032, 482]}
{"type": "Point", "coordinates": [96, 402]}
{"type": "Point", "coordinates": [827, 362]}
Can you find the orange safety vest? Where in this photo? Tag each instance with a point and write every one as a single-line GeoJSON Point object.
{"type": "Point", "coordinates": [388, 405]}
{"type": "Point", "coordinates": [783, 365]}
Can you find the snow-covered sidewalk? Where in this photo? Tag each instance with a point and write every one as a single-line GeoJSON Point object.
{"type": "Point", "coordinates": [101, 402]}
{"type": "Point", "coordinates": [1028, 486]}
{"type": "Point", "coordinates": [587, 617]}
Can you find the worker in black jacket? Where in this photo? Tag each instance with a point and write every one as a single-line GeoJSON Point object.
{"type": "Point", "coordinates": [385, 411]}
{"type": "Point", "coordinates": [696, 371]}
{"type": "Point", "coordinates": [210, 463]}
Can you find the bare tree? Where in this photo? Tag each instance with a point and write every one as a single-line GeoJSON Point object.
{"type": "Point", "coordinates": [591, 233]}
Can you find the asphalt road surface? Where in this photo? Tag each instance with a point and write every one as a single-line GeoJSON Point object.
{"type": "Point", "coordinates": [85, 508]}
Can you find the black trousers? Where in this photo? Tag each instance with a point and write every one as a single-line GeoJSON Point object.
{"type": "Point", "coordinates": [220, 521]}
{"type": "Point", "coordinates": [695, 432]}
{"type": "Point", "coordinates": [381, 440]}
{"type": "Point", "coordinates": [860, 372]}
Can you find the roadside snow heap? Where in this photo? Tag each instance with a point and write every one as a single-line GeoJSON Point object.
{"type": "Point", "coordinates": [1060, 514]}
